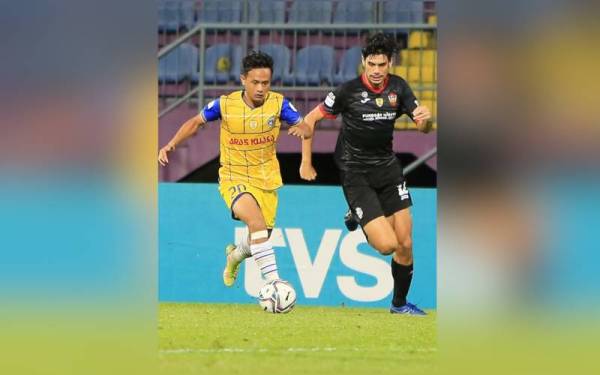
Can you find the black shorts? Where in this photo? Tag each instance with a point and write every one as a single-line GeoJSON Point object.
{"type": "Point", "coordinates": [379, 192]}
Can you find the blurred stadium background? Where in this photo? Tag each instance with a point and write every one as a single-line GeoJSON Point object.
{"type": "Point", "coordinates": [315, 45]}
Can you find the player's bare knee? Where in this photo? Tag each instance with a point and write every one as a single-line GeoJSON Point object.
{"type": "Point", "coordinates": [387, 247]}
{"type": "Point", "coordinates": [404, 251]}
{"type": "Point", "coordinates": [406, 244]}
{"type": "Point", "coordinates": [387, 251]}
{"type": "Point", "coordinates": [256, 223]}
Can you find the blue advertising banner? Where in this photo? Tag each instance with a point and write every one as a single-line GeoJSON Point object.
{"type": "Point", "coordinates": [325, 263]}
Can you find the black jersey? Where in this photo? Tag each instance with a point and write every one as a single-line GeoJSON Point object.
{"type": "Point", "coordinates": [368, 117]}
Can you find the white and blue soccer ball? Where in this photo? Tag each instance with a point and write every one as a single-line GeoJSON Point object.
{"type": "Point", "coordinates": [277, 297]}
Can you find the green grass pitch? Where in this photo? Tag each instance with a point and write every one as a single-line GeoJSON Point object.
{"type": "Point", "coordinates": [241, 339]}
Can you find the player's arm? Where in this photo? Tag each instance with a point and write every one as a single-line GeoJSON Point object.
{"type": "Point", "coordinates": [307, 171]}
{"type": "Point", "coordinates": [301, 129]}
{"type": "Point", "coordinates": [298, 127]}
{"type": "Point", "coordinates": [333, 105]}
{"type": "Point", "coordinates": [422, 118]}
{"type": "Point", "coordinates": [189, 128]}
{"type": "Point", "coordinates": [420, 114]}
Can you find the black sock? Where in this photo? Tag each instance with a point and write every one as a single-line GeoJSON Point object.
{"type": "Point", "coordinates": [402, 278]}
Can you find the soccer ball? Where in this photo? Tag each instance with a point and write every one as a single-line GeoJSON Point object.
{"type": "Point", "coordinates": [277, 297]}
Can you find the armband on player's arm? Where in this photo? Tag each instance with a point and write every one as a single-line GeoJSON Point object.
{"type": "Point", "coordinates": [212, 111]}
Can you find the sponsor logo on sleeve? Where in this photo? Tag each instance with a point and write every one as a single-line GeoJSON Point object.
{"type": "Point", "coordinates": [330, 100]}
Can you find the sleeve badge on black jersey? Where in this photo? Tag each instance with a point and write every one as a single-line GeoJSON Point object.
{"type": "Point", "coordinates": [330, 100]}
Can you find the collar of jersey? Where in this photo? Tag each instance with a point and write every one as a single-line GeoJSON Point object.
{"type": "Point", "coordinates": [246, 104]}
{"type": "Point", "coordinates": [374, 90]}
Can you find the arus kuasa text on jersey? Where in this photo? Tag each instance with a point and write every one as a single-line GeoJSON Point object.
{"type": "Point", "coordinates": [252, 141]}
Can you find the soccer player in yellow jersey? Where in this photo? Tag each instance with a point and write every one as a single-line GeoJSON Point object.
{"type": "Point", "coordinates": [249, 175]}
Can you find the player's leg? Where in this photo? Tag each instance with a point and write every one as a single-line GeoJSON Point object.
{"type": "Point", "coordinates": [235, 254]}
{"type": "Point", "coordinates": [364, 203]}
{"type": "Point", "coordinates": [230, 190]}
{"type": "Point", "coordinates": [247, 209]}
{"type": "Point", "coordinates": [350, 221]}
{"type": "Point", "coordinates": [395, 200]}
{"type": "Point", "coordinates": [401, 221]}
{"type": "Point", "coordinates": [381, 236]}
{"type": "Point", "coordinates": [402, 264]}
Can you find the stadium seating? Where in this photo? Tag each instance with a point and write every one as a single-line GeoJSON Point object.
{"type": "Point", "coordinates": [400, 70]}
{"type": "Point", "coordinates": [223, 11]}
{"type": "Point", "coordinates": [327, 64]}
{"type": "Point", "coordinates": [349, 65]}
{"type": "Point", "coordinates": [353, 11]}
{"type": "Point", "coordinates": [426, 94]}
{"type": "Point", "coordinates": [236, 64]}
{"type": "Point", "coordinates": [425, 57]}
{"type": "Point", "coordinates": [281, 59]}
{"type": "Point", "coordinates": [230, 11]}
{"type": "Point", "coordinates": [220, 62]}
{"type": "Point", "coordinates": [307, 60]}
{"type": "Point", "coordinates": [208, 11]}
{"type": "Point", "coordinates": [179, 64]}
{"type": "Point", "coordinates": [403, 11]}
{"type": "Point", "coordinates": [314, 64]}
{"type": "Point", "coordinates": [415, 74]}
{"type": "Point", "coordinates": [266, 11]}
{"type": "Point", "coordinates": [418, 74]}
{"type": "Point", "coordinates": [311, 11]}
{"type": "Point", "coordinates": [173, 15]}
{"type": "Point", "coordinates": [419, 39]}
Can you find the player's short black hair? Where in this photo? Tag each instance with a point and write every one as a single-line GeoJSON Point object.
{"type": "Point", "coordinates": [380, 44]}
{"type": "Point", "coordinates": [256, 60]}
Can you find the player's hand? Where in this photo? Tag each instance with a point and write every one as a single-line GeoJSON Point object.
{"type": "Point", "coordinates": [163, 159]}
{"type": "Point", "coordinates": [421, 113]}
{"type": "Point", "coordinates": [421, 116]}
{"type": "Point", "coordinates": [307, 172]}
{"type": "Point", "coordinates": [301, 131]}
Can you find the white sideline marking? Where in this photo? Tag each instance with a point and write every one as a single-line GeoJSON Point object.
{"type": "Point", "coordinates": [316, 349]}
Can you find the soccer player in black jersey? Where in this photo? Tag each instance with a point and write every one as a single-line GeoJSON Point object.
{"type": "Point", "coordinates": [371, 175]}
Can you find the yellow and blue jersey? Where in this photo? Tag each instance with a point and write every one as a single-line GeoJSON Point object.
{"type": "Point", "coordinates": [248, 137]}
